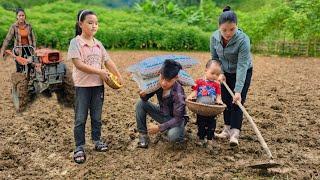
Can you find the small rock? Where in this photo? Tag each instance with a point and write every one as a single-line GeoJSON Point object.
{"type": "Point", "coordinates": [229, 158]}
{"type": "Point", "coordinates": [64, 172]}
{"type": "Point", "coordinates": [52, 155]}
{"type": "Point", "coordinates": [239, 156]}
{"type": "Point", "coordinates": [132, 136]}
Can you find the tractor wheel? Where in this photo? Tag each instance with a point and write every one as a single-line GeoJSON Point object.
{"type": "Point", "coordinates": [66, 95]}
{"type": "Point", "coordinates": [19, 90]}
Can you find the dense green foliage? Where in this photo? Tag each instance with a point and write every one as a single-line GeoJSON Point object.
{"type": "Point", "coordinates": [54, 26]}
{"type": "Point", "coordinates": [292, 23]}
{"type": "Point", "coordinates": [262, 20]}
{"type": "Point", "coordinates": [12, 4]}
{"type": "Point", "coordinates": [170, 24]}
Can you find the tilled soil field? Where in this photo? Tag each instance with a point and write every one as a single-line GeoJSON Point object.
{"type": "Point", "coordinates": [284, 101]}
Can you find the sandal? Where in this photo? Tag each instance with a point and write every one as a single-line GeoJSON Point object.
{"type": "Point", "coordinates": [101, 146]}
{"type": "Point", "coordinates": [79, 156]}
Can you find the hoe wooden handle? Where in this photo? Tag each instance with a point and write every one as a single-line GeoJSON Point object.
{"type": "Point", "coordinates": [253, 124]}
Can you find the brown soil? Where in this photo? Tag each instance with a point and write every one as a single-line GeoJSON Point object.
{"type": "Point", "coordinates": [20, 85]}
{"type": "Point", "coordinates": [66, 94]}
{"type": "Point", "coordinates": [283, 100]}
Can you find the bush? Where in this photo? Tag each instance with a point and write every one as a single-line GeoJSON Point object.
{"type": "Point", "coordinates": [54, 27]}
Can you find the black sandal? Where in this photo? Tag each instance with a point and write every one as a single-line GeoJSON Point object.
{"type": "Point", "coordinates": [101, 146]}
{"type": "Point", "coordinates": [79, 156]}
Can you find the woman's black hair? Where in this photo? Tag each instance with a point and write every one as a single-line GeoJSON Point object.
{"type": "Point", "coordinates": [227, 15]}
{"type": "Point", "coordinates": [19, 10]}
{"type": "Point", "coordinates": [170, 69]}
{"type": "Point", "coordinates": [80, 18]}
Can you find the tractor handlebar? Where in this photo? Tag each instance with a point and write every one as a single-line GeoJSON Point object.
{"type": "Point", "coordinates": [23, 48]}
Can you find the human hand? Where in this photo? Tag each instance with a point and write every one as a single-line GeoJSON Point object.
{"type": "Point", "coordinates": [104, 75]}
{"type": "Point", "coordinates": [191, 97]}
{"type": "Point", "coordinates": [219, 102]}
{"type": "Point", "coordinates": [237, 97]}
{"type": "Point", "coordinates": [153, 129]}
{"type": "Point", "coordinates": [221, 78]}
{"type": "Point", "coordinates": [142, 94]}
{"type": "Point", "coordinates": [120, 80]}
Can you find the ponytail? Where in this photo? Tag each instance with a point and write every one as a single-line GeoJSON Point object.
{"type": "Point", "coordinates": [78, 29]}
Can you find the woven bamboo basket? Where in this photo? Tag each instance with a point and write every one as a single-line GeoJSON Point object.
{"type": "Point", "coordinates": [113, 82]}
{"type": "Point", "coordinates": [205, 109]}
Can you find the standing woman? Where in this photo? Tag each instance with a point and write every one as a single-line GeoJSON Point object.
{"type": "Point", "coordinates": [23, 35]}
{"type": "Point", "coordinates": [231, 47]}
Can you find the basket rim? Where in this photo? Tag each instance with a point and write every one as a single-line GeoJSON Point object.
{"type": "Point", "coordinates": [207, 105]}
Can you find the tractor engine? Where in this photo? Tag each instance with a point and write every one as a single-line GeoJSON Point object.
{"type": "Point", "coordinates": [49, 71]}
